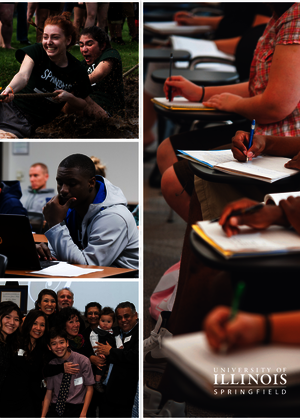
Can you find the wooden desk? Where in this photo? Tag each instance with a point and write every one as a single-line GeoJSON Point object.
{"type": "Point", "coordinates": [107, 272]}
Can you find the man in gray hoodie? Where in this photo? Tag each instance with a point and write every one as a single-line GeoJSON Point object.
{"type": "Point", "coordinates": [89, 222]}
{"type": "Point", "coordinates": [37, 194]}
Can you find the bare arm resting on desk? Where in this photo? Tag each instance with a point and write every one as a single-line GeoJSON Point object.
{"type": "Point", "coordinates": [247, 329]}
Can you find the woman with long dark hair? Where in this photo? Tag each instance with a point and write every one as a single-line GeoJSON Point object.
{"type": "Point", "coordinates": [25, 374]}
{"type": "Point", "coordinates": [47, 303]}
{"type": "Point", "coordinates": [10, 320]}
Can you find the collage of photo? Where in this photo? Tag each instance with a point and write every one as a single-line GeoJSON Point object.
{"type": "Point", "coordinates": [149, 209]}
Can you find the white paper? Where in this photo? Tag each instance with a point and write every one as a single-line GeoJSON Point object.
{"type": "Point", "coordinates": [66, 270]}
{"type": "Point", "coordinates": [209, 158]}
{"type": "Point", "coordinates": [170, 28]}
{"type": "Point", "coordinates": [192, 354]}
{"type": "Point", "coordinates": [273, 239]}
{"type": "Point", "coordinates": [201, 48]}
{"type": "Point", "coordinates": [179, 102]}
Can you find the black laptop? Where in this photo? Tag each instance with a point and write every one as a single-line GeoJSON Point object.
{"type": "Point", "coordinates": [17, 244]}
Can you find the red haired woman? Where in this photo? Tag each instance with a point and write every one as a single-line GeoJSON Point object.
{"type": "Point", "coordinates": [45, 68]}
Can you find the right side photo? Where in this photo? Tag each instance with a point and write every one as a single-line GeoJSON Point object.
{"type": "Point", "coordinates": [221, 129]}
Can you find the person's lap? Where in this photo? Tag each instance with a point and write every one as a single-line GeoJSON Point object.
{"type": "Point", "coordinates": [205, 139]}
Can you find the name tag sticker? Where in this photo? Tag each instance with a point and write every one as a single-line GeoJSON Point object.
{"type": "Point", "coordinates": [127, 339]}
{"type": "Point", "coordinates": [21, 352]}
{"type": "Point", "coordinates": [78, 381]}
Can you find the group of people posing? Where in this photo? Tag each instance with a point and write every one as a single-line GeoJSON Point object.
{"type": "Point", "coordinates": [93, 87]}
{"type": "Point", "coordinates": [61, 365]}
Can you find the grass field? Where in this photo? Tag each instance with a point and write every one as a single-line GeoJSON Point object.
{"type": "Point", "coordinates": [9, 65]}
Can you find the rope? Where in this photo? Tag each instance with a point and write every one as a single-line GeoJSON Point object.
{"type": "Point", "coordinates": [131, 70]}
{"type": "Point", "coordinates": [35, 95]}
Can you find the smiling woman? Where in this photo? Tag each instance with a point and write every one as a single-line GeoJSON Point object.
{"type": "Point", "coordinates": [47, 303]}
{"type": "Point", "coordinates": [45, 68]}
{"type": "Point", "coordinates": [104, 67]}
{"type": "Point", "coordinates": [68, 319]}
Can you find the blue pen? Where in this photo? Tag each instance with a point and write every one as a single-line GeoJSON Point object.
{"type": "Point", "coordinates": [251, 136]}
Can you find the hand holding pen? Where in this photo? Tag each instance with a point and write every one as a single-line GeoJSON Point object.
{"type": "Point", "coordinates": [251, 137]}
{"type": "Point", "coordinates": [240, 149]}
{"type": "Point", "coordinates": [243, 330]}
{"type": "Point", "coordinates": [258, 216]}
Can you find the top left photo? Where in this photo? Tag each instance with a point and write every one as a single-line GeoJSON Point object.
{"type": "Point", "coordinates": [69, 70]}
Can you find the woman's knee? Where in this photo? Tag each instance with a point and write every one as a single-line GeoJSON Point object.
{"type": "Point", "coordinates": [170, 184]}
{"type": "Point", "coordinates": [163, 154]}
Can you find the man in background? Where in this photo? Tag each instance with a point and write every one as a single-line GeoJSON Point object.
{"type": "Point", "coordinates": [35, 198]}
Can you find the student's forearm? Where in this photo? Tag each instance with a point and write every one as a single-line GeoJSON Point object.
{"type": "Point", "coordinates": [285, 327]}
{"type": "Point", "coordinates": [240, 89]}
{"type": "Point", "coordinates": [228, 46]}
{"type": "Point", "coordinates": [212, 21]}
{"type": "Point", "coordinates": [282, 146]}
{"type": "Point", "coordinates": [87, 401]}
{"type": "Point", "coordinates": [77, 104]}
{"type": "Point", "coordinates": [18, 82]}
{"type": "Point", "coordinates": [261, 108]}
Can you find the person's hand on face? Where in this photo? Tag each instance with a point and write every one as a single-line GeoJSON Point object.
{"type": "Point", "coordinates": [54, 212]}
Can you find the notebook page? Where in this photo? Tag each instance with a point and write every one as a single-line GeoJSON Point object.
{"type": "Point", "coordinates": [269, 167]}
{"type": "Point", "coordinates": [275, 238]}
{"type": "Point", "coordinates": [210, 158]}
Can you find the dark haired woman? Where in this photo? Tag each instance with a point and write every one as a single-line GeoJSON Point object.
{"type": "Point", "coordinates": [10, 320]}
{"type": "Point", "coordinates": [104, 67]}
{"type": "Point", "coordinates": [46, 67]}
{"type": "Point", "coordinates": [47, 303]}
{"type": "Point", "coordinates": [68, 319]}
{"type": "Point", "coordinates": [24, 377]}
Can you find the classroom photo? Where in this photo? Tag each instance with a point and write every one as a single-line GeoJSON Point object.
{"type": "Point", "coordinates": [221, 136]}
{"type": "Point", "coordinates": [73, 211]}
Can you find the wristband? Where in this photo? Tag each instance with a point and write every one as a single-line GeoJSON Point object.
{"type": "Point", "coordinates": [268, 330]}
{"type": "Point", "coordinates": [203, 93]}
{"type": "Point", "coordinates": [12, 91]}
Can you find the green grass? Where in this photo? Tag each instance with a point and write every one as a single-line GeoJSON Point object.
{"type": "Point", "coordinates": [9, 66]}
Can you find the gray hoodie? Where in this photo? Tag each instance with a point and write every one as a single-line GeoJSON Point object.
{"type": "Point", "coordinates": [35, 200]}
{"type": "Point", "coordinates": [110, 231]}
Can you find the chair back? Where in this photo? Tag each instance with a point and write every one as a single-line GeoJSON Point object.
{"type": "Point", "coordinates": [36, 220]}
{"type": "Point", "coordinates": [3, 265]}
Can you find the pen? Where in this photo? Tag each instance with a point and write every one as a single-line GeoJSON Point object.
{"type": "Point", "coordinates": [170, 75]}
{"type": "Point", "coordinates": [240, 287]}
{"type": "Point", "coordinates": [248, 210]}
{"type": "Point", "coordinates": [251, 136]}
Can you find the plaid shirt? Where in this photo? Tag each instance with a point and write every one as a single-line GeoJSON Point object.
{"type": "Point", "coordinates": [283, 31]}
